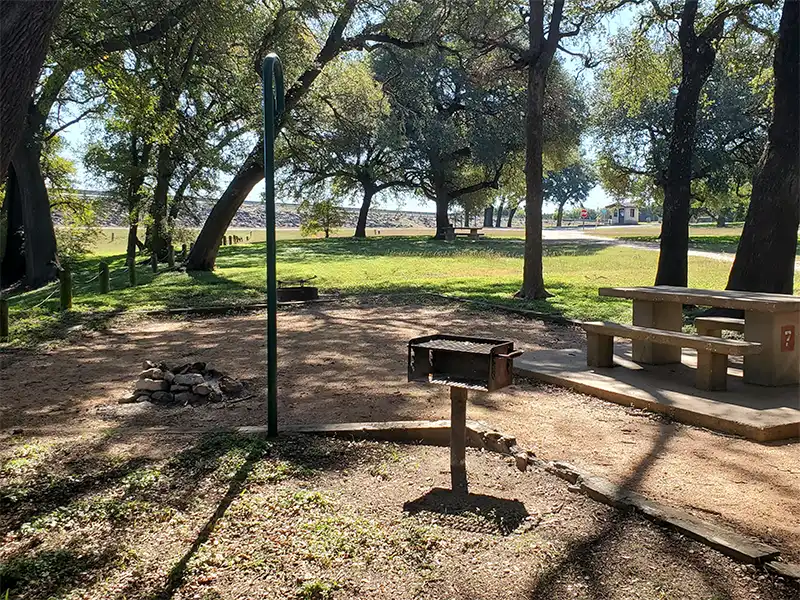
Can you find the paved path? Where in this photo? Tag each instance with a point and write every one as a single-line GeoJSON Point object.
{"type": "Point", "coordinates": [595, 235]}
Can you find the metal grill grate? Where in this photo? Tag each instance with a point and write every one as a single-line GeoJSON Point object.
{"type": "Point", "coordinates": [457, 346]}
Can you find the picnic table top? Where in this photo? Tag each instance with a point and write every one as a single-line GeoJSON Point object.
{"type": "Point", "coordinates": [470, 228]}
{"type": "Point", "coordinates": [733, 299]}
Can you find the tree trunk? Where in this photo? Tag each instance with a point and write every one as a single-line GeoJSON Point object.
{"type": "Point", "coordinates": [158, 236]}
{"type": "Point", "coordinates": [499, 215]}
{"type": "Point", "coordinates": [41, 257]}
{"type": "Point", "coordinates": [697, 56]}
{"type": "Point", "coordinates": [532, 274]}
{"type": "Point", "coordinates": [488, 216]}
{"type": "Point", "coordinates": [442, 218]}
{"type": "Point", "coordinates": [511, 212]}
{"type": "Point", "coordinates": [204, 254]}
{"type": "Point", "coordinates": [559, 215]}
{"type": "Point", "coordinates": [133, 238]}
{"type": "Point", "coordinates": [12, 267]}
{"type": "Point", "coordinates": [361, 224]}
{"type": "Point", "coordinates": [765, 258]}
{"type": "Point", "coordinates": [721, 220]}
{"type": "Point", "coordinates": [24, 37]}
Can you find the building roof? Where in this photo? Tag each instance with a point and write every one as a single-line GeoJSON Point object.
{"type": "Point", "coordinates": [621, 205]}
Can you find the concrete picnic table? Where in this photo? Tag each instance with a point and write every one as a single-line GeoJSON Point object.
{"type": "Point", "coordinates": [773, 320]}
{"type": "Point", "coordinates": [474, 232]}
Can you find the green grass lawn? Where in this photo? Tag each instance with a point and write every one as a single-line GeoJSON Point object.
{"type": "Point", "coordinates": [488, 270]}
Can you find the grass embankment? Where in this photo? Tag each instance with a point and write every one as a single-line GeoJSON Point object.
{"type": "Point", "coordinates": [489, 270]}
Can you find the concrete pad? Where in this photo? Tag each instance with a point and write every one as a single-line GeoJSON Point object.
{"type": "Point", "coordinates": [755, 412]}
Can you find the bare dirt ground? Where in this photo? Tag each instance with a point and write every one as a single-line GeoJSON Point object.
{"type": "Point", "coordinates": [156, 516]}
{"type": "Point", "coordinates": [348, 363]}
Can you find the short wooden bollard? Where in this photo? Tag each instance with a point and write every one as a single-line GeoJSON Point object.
{"type": "Point", "coordinates": [105, 284]}
{"type": "Point", "coordinates": [224, 240]}
{"type": "Point", "coordinates": [458, 440]}
{"type": "Point", "coordinates": [183, 251]}
{"type": "Point", "coordinates": [112, 236]}
{"type": "Point", "coordinates": [132, 273]}
{"type": "Point", "coordinates": [3, 320]}
{"type": "Point", "coordinates": [154, 262]}
{"type": "Point", "coordinates": [171, 256]}
{"type": "Point", "coordinates": [230, 240]}
{"type": "Point", "coordinates": [65, 278]}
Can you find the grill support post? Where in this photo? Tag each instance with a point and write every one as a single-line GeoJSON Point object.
{"type": "Point", "coordinates": [458, 439]}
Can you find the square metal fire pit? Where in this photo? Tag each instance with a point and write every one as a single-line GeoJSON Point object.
{"type": "Point", "coordinates": [461, 361]}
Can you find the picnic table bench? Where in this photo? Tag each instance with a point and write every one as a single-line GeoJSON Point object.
{"type": "Point", "coordinates": [472, 233]}
{"type": "Point", "coordinates": [712, 352]}
{"type": "Point", "coordinates": [770, 320]}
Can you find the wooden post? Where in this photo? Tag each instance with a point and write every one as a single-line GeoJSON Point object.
{"type": "Point", "coordinates": [224, 239]}
{"type": "Point", "coordinates": [230, 240]}
{"type": "Point", "coordinates": [65, 277]}
{"type": "Point", "coordinates": [183, 251]}
{"type": "Point", "coordinates": [458, 440]}
{"type": "Point", "coordinates": [112, 236]}
{"type": "Point", "coordinates": [132, 273]}
{"type": "Point", "coordinates": [171, 256]}
{"type": "Point", "coordinates": [154, 262]}
{"type": "Point", "coordinates": [3, 320]}
{"type": "Point", "coordinates": [105, 284]}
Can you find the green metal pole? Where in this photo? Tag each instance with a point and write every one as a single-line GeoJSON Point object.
{"type": "Point", "coordinates": [272, 81]}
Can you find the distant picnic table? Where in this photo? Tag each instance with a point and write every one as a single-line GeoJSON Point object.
{"type": "Point", "coordinates": [473, 233]}
{"type": "Point", "coordinates": [771, 321]}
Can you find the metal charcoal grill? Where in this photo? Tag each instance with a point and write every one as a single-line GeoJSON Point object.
{"type": "Point", "coordinates": [460, 361]}
{"type": "Point", "coordinates": [463, 363]}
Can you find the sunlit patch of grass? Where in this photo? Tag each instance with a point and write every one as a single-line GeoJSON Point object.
{"type": "Point", "coordinates": [488, 270]}
{"type": "Point", "coordinates": [318, 589]}
{"type": "Point", "coordinates": [275, 471]}
{"type": "Point", "coordinates": [25, 458]}
{"type": "Point", "coordinates": [94, 510]}
{"type": "Point", "coordinates": [335, 538]}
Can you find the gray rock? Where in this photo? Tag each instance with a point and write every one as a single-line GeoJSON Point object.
{"type": "Point", "coordinates": [169, 376]}
{"type": "Point", "coordinates": [229, 385]}
{"type": "Point", "coordinates": [152, 385]}
{"type": "Point", "coordinates": [188, 379]}
{"type": "Point", "coordinates": [162, 397]}
{"type": "Point", "coordinates": [198, 367]}
{"type": "Point", "coordinates": [184, 398]}
{"type": "Point", "coordinates": [203, 389]}
{"type": "Point", "coordinates": [180, 388]}
{"type": "Point", "coordinates": [148, 364]}
{"type": "Point", "coordinates": [132, 399]}
{"type": "Point", "coordinates": [154, 373]}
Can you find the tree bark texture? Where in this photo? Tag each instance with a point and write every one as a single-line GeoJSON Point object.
{"type": "Point", "coordinates": [12, 258]}
{"type": "Point", "coordinates": [499, 221]}
{"type": "Point", "coordinates": [488, 216]}
{"type": "Point", "coordinates": [25, 30]}
{"type": "Point", "coordinates": [41, 261]}
{"type": "Point", "coordinates": [366, 202]}
{"type": "Point", "coordinates": [697, 60]}
{"type": "Point", "coordinates": [159, 237]}
{"type": "Point", "coordinates": [533, 275]}
{"type": "Point", "coordinates": [511, 212]}
{"type": "Point", "coordinates": [204, 254]}
{"type": "Point", "coordinates": [765, 258]}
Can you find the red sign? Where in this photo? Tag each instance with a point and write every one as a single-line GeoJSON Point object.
{"type": "Point", "coordinates": [584, 213]}
{"type": "Point", "coordinates": [787, 338]}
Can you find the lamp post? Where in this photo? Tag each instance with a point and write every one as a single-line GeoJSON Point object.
{"type": "Point", "coordinates": [272, 81]}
